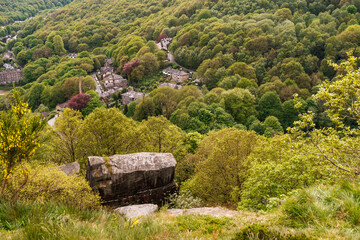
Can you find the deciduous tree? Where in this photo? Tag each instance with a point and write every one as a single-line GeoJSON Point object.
{"type": "Point", "coordinates": [67, 127]}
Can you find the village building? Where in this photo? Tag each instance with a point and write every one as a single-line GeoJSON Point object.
{"type": "Point", "coordinates": [113, 80]}
{"type": "Point", "coordinates": [131, 96]}
{"type": "Point", "coordinates": [61, 106]}
{"type": "Point", "coordinates": [175, 75]}
{"type": "Point", "coordinates": [107, 81]}
{"type": "Point", "coordinates": [9, 55]}
{"type": "Point", "coordinates": [165, 43]}
{"type": "Point", "coordinates": [8, 66]}
{"type": "Point", "coordinates": [172, 85]}
{"type": "Point", "coordinates": [71, 55]}
{"type": "Point", "coordinates": [109, 93]}
{"type": "Point", "coordinates": [108, 67]}
{"type": "Point", "coordinates": [10, 76]}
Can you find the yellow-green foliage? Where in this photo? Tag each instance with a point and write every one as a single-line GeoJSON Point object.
{"type": "Point", "coordinates": [20, 137]}
{"type": "Point", "coordinates": [278, 166]}
{"type": "Point", "coordinates": [222, 165]}
{"type": "Point", "coordinates": [44, 184]}
{"type": "Point", "coordinates": [338, 145]}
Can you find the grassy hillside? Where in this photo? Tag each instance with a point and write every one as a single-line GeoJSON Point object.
{"type": "Point", "coordinates": [315, 213]}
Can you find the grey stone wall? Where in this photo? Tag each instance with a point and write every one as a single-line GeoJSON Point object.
{"type": "Point", "coordinates": [10, 76]}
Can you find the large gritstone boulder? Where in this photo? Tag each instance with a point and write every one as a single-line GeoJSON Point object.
{"type": "Point", "coordinates": [135, 178]}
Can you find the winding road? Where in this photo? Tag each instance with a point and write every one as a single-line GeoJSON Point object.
{"type": "Point", "coordinates": [171, 58]}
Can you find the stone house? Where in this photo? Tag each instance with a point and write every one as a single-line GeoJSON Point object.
{"type": "Point", "coordinates": [10, 76]}
{"type": "Point", "coordinates": [131, 96]}
{"type": "Point", "coordinates": [9, 55]}
{"type": "Point", "coordinates": [71, 55]}
{"type": "Point", "coordinates": [61, 106]}
{"type": "Point", "coordinates": [175, 75]}
{"type": "Point", "coordinates": [108, 67]}
{"type": "Point", "coordinates": [112, 80]}
{"type": "Point", "coordinates": [165, 43]}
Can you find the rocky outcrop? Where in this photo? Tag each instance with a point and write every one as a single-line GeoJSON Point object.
{"type": "Point", "coordinates": [137, 178]}
{"type": "Point", "coordinates": [135, 211]}
{"type": "Point", "coordinates": [71, 168]}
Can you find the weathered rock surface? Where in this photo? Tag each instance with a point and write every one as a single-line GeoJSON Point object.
{"type": "Point", "coordinates": [71, 168]}
{"type": "Point", "coordinates": [212, 211]}
{"type": "Point", "coordinates": [135, 178]}
{"type": "Point", "coordinates": [134, 211]}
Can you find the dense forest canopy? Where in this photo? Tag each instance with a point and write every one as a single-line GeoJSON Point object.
{"type": "Point", "coordinates": [283, 47]}
{"type": "Point", "coordinates": [20, 10]}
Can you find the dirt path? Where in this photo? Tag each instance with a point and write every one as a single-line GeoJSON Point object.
{"type": "Point", "coordinates": [3, 92]}
{"type": "Point", "coordinates": [212, 211]}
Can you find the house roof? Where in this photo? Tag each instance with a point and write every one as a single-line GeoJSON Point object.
{"type": "Point", "coordinates": [108, 61]}
{"type": "Point", "coordinates": [172, 85]}
{"type": "Point", "coordinates": [176, 72]}
{"type": "Point", "coordinates": [134, 94]}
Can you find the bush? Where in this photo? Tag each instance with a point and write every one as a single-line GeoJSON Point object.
{"type": "Point", "coordinates": [221, 165]}
{"type": "Point", "coordinates": [183, 200]}
{"type": "Point", "coordinates": [279, 167]}
{"type": "Point", "coordinates": [44, 184]}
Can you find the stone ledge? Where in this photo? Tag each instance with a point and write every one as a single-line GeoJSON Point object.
{"type": "Point", "coordinates": [135, 211]}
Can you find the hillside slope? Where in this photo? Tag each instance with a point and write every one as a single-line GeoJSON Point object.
{"type": "Point", "coordinates": [19, 10]}
{"type": "Point", "coordinates": [281, 46]}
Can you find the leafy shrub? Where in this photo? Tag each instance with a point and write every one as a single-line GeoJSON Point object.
{"type": "Point", "coordinates": [183, 200]}
{"type": "Point", "coordinates": [222, 167]}
{"type": "Point", "coordinates": [43, 184]}
{"type": "Point", "coordinates": [276, 201]}
{"type": "Point", "coordinates": [278, 167]}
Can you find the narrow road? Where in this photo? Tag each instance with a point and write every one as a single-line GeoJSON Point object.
{"type": "Point", "coordinates": [99, 89]}
{"type": "Point", "coordinates": [171, 58]}
{"type": "Point", "coordinates": [51, 122]}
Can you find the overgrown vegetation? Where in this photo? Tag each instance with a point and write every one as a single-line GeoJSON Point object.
{"type": "Point", "coordinates": [320, 212]}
